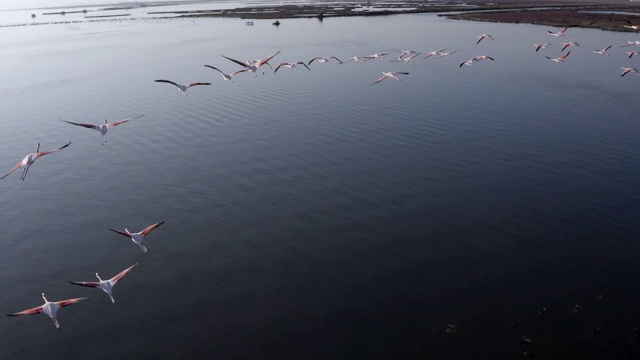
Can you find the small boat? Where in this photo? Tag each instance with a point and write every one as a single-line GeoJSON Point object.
{"type": "Point", "coordinates": [277, 23]}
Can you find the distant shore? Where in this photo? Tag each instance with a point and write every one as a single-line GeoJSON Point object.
{"type": "Point", "coordinates": [605, 16]}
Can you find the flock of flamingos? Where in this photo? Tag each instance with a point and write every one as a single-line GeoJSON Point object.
{"type": "Point", "coordinates": [51, 308]}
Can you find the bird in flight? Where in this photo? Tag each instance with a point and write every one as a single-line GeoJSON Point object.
{"type": "Point", "coordinates": [103, 128]}
{"type": "Point", "coordinates": [227, 77]}
{"type": "Point", "coordinates": [253, 66]}
{"type": "Point", "coordinates": [559, 59]}
{"type": "Point", "coordinates": [324, 59]}
{"type": "Point", "coordinates": [138, 237]}
{"type": "Point", "coordinates": [30, 159]}
{"type": "Point", "coordinates": [541, 46]}
{"type": "Point", "coordinates": [291, 65]}
{"type": "Point", "coordinates": [391, 74]}
{"type": "Point", "coordinates": [625, 71]}
{"type": "Point", "coordinates": [566, 45]}
{"type": "Point", "coordinates": [50, 308]}
{"type": "Point", "coordinates": [106, 285]}
{"type": "Point", "coordinates": [558, 33]}
{"type": "Point", "coordinates": [603, 51]}
{"type": "Point", "coordinates": [481, 37]}
{"type": "Point", "coordinates": [183, 88]}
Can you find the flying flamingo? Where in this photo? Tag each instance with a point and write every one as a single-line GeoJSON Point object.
{"type": "Point", "coordinates": [30, 159]}
{"type": "Point", "coordinates": [377, 56]}
{"type": "Point", "coordinates": [484, 57]}
{"type": "Point", "coordinates": [253, 66]}
{"type": "Point", "coordinates": [405, 52]}
{"type": "Point", "coordinates": [391, 74]}
{"type": "Point", "coordinates": [103, 128]}
{"type": "Point", "coordinates": [50, 308]}
{"type": "Point", "coordinates": [444, 54]}
{"type": "Point", "coordinates": [631, 53]}
{"type": "Point", "coordinates": [324, 59]}
{"type": "Point", "coordinates": [183, 88]}
{"type": "Point", "coordinates": [408, 58]}
{"type": "Point", "coordinates": [469, 62]}
{"type": "Point", "coordinates": [566, 45]}
{"type": "Point", "coordinates": [632, 26]}
{"type": "Point", "coordinates": [291, 65]}
{"type": "Point", "coordinates": [481, 37]}
{"type": "Point", "coordinates": [139, 236]}
{"type": "Point", "coordinates": [625, 71]}
{"type": "Point", "coordinates": [105, 285]}
{"type": "Point", "coordinates": [559, 33]}
{"type": "Point", "coordinates": [432, 53]}
{"type": "Point", "coordinates": [227, 77]}
{"type": "Point", "coordinates": [603, 51]}
{"type": "Point", "coordinates": [542, 46]}
{"type": "Point", "coordinates": [359, 59]}
{"type": "Point", "coordinates": [631, 43]}
{"type": "Point", "coordinates": [559, 59]}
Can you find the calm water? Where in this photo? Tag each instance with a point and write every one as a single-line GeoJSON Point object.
{"type": "Point", "coordinates": [310, 215]}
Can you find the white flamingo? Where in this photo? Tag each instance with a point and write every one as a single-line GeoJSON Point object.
{"type": "Point", "coordinates": [30, 159]}
{"type": "Point", "coordinates": [632, 26]}
{"type": "Point", "coordinates": [391, 74]}
{"type": "Point", "coordinates": [445, 54]}
{"type": "Point", "coordinates": [559, 59]}
{"type": "Point", "coordinates": [105, 285]}
{"type": "Point", "coordinates": [433, 53]}
{"type": "Point", "coordinates": [378, 55]}
{"type": "Point", "coordinates": [542, 46]}
{"type": "Point", "coordinates": [559, 33]}
{"type": "Point", "coordinates": [406, 52]}
{"type": "Point", "coordinates": [407, 59]}
{"type": "Point", "coordinates": [138, 237]}
{"type": "Point", "coordinates": [291, 65]}
{"type": "Point", "coordinates": [103, 128]}
{"type": "Point", "coordinates": [631, 53]}
{"type": "Point", "coordinates": [227, 77]}
{"type": "Point", "coordinates": [359, 59]}
{"type": "Point", "coordinates": [631, 43]}
{"type": "Point", "coordinates": [253, 66]}
{"type": "Point", "coordinates": [603, 51]}
{"type": "Point", "coordinates": [566, 45]}
{"type": "Point", "coordinates": [324, 59]}
{"type": "Point", "coordinates": [625, 71]}
{"type": "Point", "coordinates": [183, 88]}
{"type": "Point", "coordinates": [50, 308]}
{"type": "Point", "coordinates": [482, 37]}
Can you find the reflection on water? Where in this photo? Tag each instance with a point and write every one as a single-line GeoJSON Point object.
{"type": "Point", "coordinates": [452, 214]}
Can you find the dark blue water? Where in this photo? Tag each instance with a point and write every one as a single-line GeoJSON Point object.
{"type": "Point", "coordinates": [310, 214]}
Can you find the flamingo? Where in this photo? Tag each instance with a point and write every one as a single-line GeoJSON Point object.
{"type": "Point", "coordinates": [103, 128]}
{"type": "Point", "coordinates": [603, 51]}
{"type": "Point", "coordinates": [559, 33]}
{"type": "Point", "coordinates": [631, 53]}
{"type": "Point", "coordinates": [377, 56]}
{"type": "Point", "coordinates": [631, 43]}
{"type": "Point", "coordinates": [291, 65]}
{"type": "Point", "coordinates": [324, 59]}
{"type": "Point", "coordinates": [566, 45]}
{"type": "Point", "coordinates": [481, 37]}
{"type": "Point", "coordinates": [484, 57]}
{"type": "Point", "coordinates": [469, 62]}
{"type": "Point", "coordinates": [30, 159]}
{"type": "Point", "coordinates": [50, 308]}
{"type": "Point", "coordinates": [139, 236]}
{"type": "Point", "coordinates": [542, 46]}
{"type": "Point", "coordinates": [227, 77]}
{"type": "Point", "coordinates": [444, 54]}
{"type": "Point", "coordinates": [433, 53]}
{"type": "Point", "coordinates": [391, 74]}
{"type": "Point", "coordinates": [359, 59]}
{"type": "Point", "coordinates": [253, 66]}
{"type": "Point", "coordinates": [408, 58]}
{"type": "Point", "coordinates": [559, 59]}
{"type": "Point", "coordinates": [106, 285]}
{"type": "Point", "coordinates": [405, 52]}
{"type": "Point", "coordinates": [632, 26]}
{"type": "Point", "coordinates": [183, 88]}
{"type": "Point", "coordinates": [625, 71]}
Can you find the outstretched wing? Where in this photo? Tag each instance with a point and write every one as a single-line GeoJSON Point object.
{"type": "Point", "coordinates": [266, 60]}
{"type": "Point", "coordinates": [198, 83]}
{"type": "Point", "coordinates": [63, 303]}
{"type": "Point", "coordinates": [86, 283]}
{"type": "Point", "coordinates": [169, 82]}
{"type": "Point", "coordinates": [43, 153]}
{"type": "Point", "coordinates": [236, 61]}
{"type": "Point", "coordinates": [18, 165]}
{"type": "Point", "coordinates": [35, 310]}
{"type": "Point", "coordinates": [122, 274]}
{"type": "Point", "coordinates": [90, 126]}
{"type": "Point", "coordinates": [150, 228]}
{"type": "Point", "coordinates": [215, 68]}
{"type": "Point", "coordinates": [121, 233]}
{"type": "Point", "coordinates": [116, 123]}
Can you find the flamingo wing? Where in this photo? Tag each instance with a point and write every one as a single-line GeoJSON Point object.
{"type": "Point", "coordinates": [122, 274]}
{"type": "Point", "coordinates": [149, 228]}
{"type": "Point", "coordinates": [18, 165]}
{"type": "Point", "coordinates": [215, 68]}
{"type": "Point", "coordinates": [43, 153]}
{"type": "Point", "coordinates": [303, 64]}
{"type": "Point", "coordinates": [266, 60]}
{"type": "Point", "coordinates": [86, 283]}
{"type": "Point", "coordinates": [280, 65]}
{"type": "Point", "coordinates": [63, 303]}
{"type": "Point", "coordinates": [198, 83]}
{"type": "Point", "coordinates": [121, 233]}
{"type": "Point", "coordinates": [169, 82]}
{"type": "Point", "coordinates": [238, 71]}
{"type": "Point", "coordinates": [236, 61]}
{"type": "Point", "coordinates": [116, 123]}
{"type": "Point", "coordinates": [90, 126]}
{"type": "Point", "coordinates": [381, 78]}
{"type": "Point", "coordinates": [35, 310]}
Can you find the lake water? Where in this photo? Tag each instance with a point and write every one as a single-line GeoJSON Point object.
{"type": "Point", "coordinates": [309, 214]}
